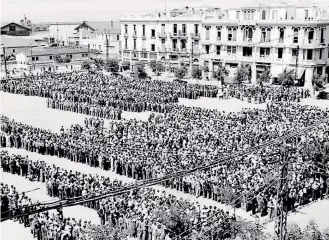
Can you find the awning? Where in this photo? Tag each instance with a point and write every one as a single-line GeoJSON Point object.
{"type": "Point", "coordinates": [300, 73]}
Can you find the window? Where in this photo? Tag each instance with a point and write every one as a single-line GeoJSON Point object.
{"type": "Point", "coordinates": [264, 52]}
{"type": "Point", "coordinates": [248, 15]}
{"type": "Point", "coordinates": [184, 28]}
{"type": "Point", "coordinates": [13, 50]}
{"type": "Point", "coordinates": [153, 33]}
{"type": "Point", "coordinates": [144, 55]}
{"type": "Point", "coordinates": [286, 15]}
{"type": "Point", "coordinates": [320, 53]}
{"type": "Point", "coordinates": [265, 34]}
{"type": "Point", "coordinates": [33, 58]}
{"type": "Point", "coordinates": [143, 30]}
{"type": "Point", "coordinates": [310, 36]}
{"type": "Point", "coordinates": [174, 43]}
{"type": "Point", "coordinates": [183, 44]}
{"type": "Point", "coordinates": [163, 41]}
{"type": "Point", "coordinates": [152, 47]}
{"type": "Point", "coordinates": [134, 28]}
{"type": "Point", "coordinates": [263, 15]}
{"type": "Point", "coordinates": [218, 50]}
{"type": "Point", "coordinates": [274, 14]}
{"type": "Point", "coordinates": [294, 52]}
{"type": "Point", "coordinates": [219, 34]}
{"type": "Point", "coordinates": [309, 54]}
{"type": "Point", "coordinates": [134, 44]}
{"type": "Point", "coordinates": [50, 57]}
{"type": "Point", "coordinates": [207, 33]}
{"type": "Point", "coordinates": [280, 53]}
{"type": "Point", "coordinates": [247, 34]}
{"type": "Point", "coordinates": [12, 28]}
{"type": "Point", "coordinates": [196, 29]}
{"type": "Point", "coordinates": [126, 28]}
{"type": "Point", "coordinates": [231, 50]}
{"type": "Point", "coordinates": [207, 49]}
{"type": "Point", "coordinates": [247, 51]}
{"type": "Point", "coordinates": [163, 28]}
{"type": "Point", "coordinates": [37, 58]}
{"type": "Point", "coordinates": [231, 34]}
{"type": "Point", "coordinates": [99, 47]}
{"type": "Point", "coordinates": [281, 38]}
{"type": "Point", "coordinates": [306, 14]}
{"type": "Point", "coordinates": [126, 43]}
{"type": "Point", "coordinates": [118, 37]}
{"type": "Point", "coordinates": [175, 28]}
{"type": "Point", "coordinates": [296, 35]}
{"type": "Point", "coordinates": [237, 15]}
{"type": "Point", "coordinates": [321, 35]}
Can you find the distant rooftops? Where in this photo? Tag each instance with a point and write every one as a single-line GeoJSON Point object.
{"type": "Point", "coordinates": [43, 51]}
{"type": "Point", "coordinates": [101, 27]}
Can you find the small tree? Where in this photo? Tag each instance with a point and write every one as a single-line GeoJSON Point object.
{"type": "Point", "coordinates": [86, 64]}
{"type": "Point", "coordinates": [325, 234]}
{"type": "Point", "coordinates": [125, 65]}
{"type": "Point", "coordinates": [294, 232]}
{"type": "Point", "coordinates": [318, 82]}
{"type": "Point", "coordinates": [180, 72]}
{"type": "Point", "coordinates": [196, 72]}
{"type": "Point", "coordinates": [66, 59]}
{"type": "Point", "coordinates": [265, 77]}
{"type": "Point", "coordinates": [311, 232]}
{"type": "Point", "coordinates": [242, 74]}
{"type": "Point", "coordinates": [58, 58]}
{"type": "Point", "coordinates": [112, 65]}
{"type": "Point", "coordinates": [220, 74]}
{"type": "Point", "coordinates": [157, 67]}
{"type": "Point", "coordinates": [139, 70]}
{"type": "Point", "coordinates": [99, 62]}
{"type": "Point", "coordinates": [287, 77]}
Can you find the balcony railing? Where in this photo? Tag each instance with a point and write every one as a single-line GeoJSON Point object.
{"type": "Point", "coordinates": [179, 34]}
{"type": "Point", "coordinates": [162, 49]}
{"type": "Point", "coordinates": [195, 35]}
{"type": "Point", "coordinates": [265, 40]}
{"type": "Point", "coordinates": [174, 49]}
{"type": "Point", "coordinates": [247, 39]}
{"type": "Point", "coordinates": [281, 40]}
{"type": "Point", "coordinates": [126, 34]}
{"type": "Point", "coordinates": [162, 34]}
{"type": "Point", "coordinates": [265, 58]}
{"type": "Point", "coordinates": [143, 36]}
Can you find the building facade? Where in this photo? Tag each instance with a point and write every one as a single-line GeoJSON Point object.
{"type": "Point", "coordinates": [168, 37]}
{"type": "Point", "coordinates": [273, 37]}
{"type": "Point", "coordinates": [14, 29]}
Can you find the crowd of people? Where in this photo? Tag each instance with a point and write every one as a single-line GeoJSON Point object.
{"type": "Point", "coordinates": [139, 213]}
{"type": "Point", "coordinates": [186, 138]}
{"type": "Point", "coordinates": [261, 94]}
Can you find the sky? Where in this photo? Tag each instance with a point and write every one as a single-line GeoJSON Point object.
{"type": "Point", "coordinates": [97, 10]}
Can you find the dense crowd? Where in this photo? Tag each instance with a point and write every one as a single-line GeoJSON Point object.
{"type": "Point", "coordinates": [188, 137]}
{"type": "Point", "coordinates": [264, 93]}
{"type": "Point", "coordinates": [47, 225]}
{"type": "Point", "coordinates": [139, 213]}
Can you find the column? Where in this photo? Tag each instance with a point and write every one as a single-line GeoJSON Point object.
{"type": "Point", "coordinates": [253, 73]}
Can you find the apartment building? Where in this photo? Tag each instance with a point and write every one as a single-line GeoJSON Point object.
{"type": "Point", "coordinates": [274, 37]}
{"type": "Point", "coordinates": [171, 37]}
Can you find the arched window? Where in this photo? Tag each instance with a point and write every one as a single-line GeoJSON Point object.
{"type": "Point", "coordinates": [247, 34]}
{"type": "Point", "coordinates": [265, 34]}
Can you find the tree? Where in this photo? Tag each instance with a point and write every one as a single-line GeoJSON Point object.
{"type": "Point", "coordinates": [312, 232]}
{"type": "Point", "coordinates": [318, 82]}
{"type": "Point", "coordinates": [242, 74]}
{"type": "Point", "coordinates": [265, 77]}
{"type": "Point", "coordinates": [196, 72]}
{"type": "Point", "coordinates": [58, 58]}
{"type": "Point", "coordinates": [86, 64]}
{"type": "Point", "coordinates": [99, 62]}
{"type": "Point", "coordinates": [220, 73]}
{"type": "Point", "coordinates": [180, 72]}
{"type": "Point", "coordinates": [139, 71]}
{"type": "Point", "coordinates": [294, 232]}
{"type": "Point", "coordinates": [66, 59]}
{"type": "Point", "coordinates": [125, 65]}
{"type": "Point", "coordinates": [112, 65]}
{"type": "Point", "coordinates": [287, 77]}
{"type": "Point", "coordinates": [157, 67]}
{"type": "Point", "coordinates": [325, 234]}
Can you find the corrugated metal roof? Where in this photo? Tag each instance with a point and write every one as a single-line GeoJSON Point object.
{"type": "Point", "coordinates": [12, 42]}
{"type": "Point", "coordinates": [56, 50]}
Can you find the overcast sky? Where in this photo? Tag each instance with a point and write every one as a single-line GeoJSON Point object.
{"type": "Point", "coordinates": [78, 10]}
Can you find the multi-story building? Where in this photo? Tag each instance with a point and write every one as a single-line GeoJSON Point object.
{"type": "Point", "coordinates": [276, 37]}
{"type": "Point", "coordinates": [273, 36]}
{"type": "Point", "coordinates": [169, 37]}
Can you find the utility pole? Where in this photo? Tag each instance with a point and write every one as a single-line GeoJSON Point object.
{"type": "Point", "coordinates": [297, 50]}
{"type": "Point", "coordinates": [57, 35]}
{"type": "Point", "coordinates": [191, 57]}
{"type": "Point", "coordinates": [107, 49]}
{"type": "Point", "coordinates": [282, 211]}
{"type": "Point", "coordinates": [5, 58]}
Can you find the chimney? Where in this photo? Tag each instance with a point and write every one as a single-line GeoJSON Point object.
{"type": "Point", "coordinates": [111, 24]}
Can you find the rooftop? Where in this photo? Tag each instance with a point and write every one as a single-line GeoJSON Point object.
{"type": "Point", "coordinates": [12, 42]}
{"type": "Point", "coordinates": [102, 27]}
{"type": "Point", "coordinates": [56, 50]}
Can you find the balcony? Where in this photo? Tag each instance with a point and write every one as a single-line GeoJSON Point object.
{"type": "Point", "coordinates": [126, 34]}
{"type": "Point", "coordinates": [264, 58]}
{"type": "Point", "coordinates": [178, 35]}
{"type": "Point", "coordinates": [247, 58]}
{"type": "Point", "coordinates": [195, 35]}
{"type": "Point", "coordinates": [143, 49]}
{"type": "Point", "coordinates": [143, 37]}
{"type": "Point", "coordinates": [162, 49]}
{"type": "Point", "coordinates": [174, 50]}
{"type": "Point", "coordinates": [281, 40]}
{"type": "Point", "coordinates": [134, 34]}
{"type": "Point", "coordinates": [265, 40]}
{"type": "Point", "coordinates": [162, 34]}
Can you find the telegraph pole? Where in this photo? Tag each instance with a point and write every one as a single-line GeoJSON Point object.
{"type": "Point", "coordinates": [107, 49]}
{"type": "Point", "coordinates": [191, 57]}
{"type": "Point", "coordinates": [282, 211]}
{"type": "Point", "coordinates": [296, 63]}
{"type": "Point", "coordinates": [4, 55]}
